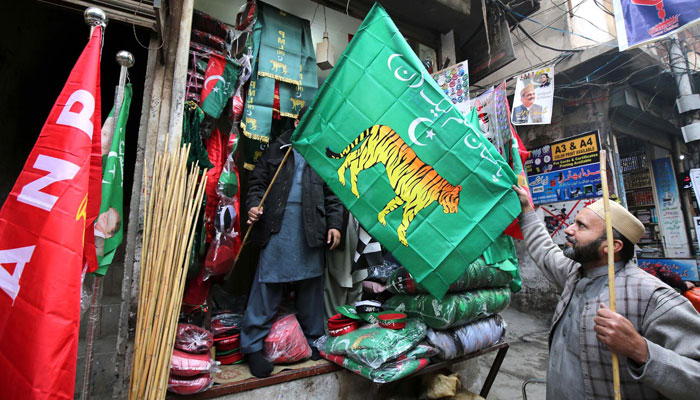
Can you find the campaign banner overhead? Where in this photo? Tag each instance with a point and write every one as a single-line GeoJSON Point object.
{"type": "Point", "coordinates": [642, 21]}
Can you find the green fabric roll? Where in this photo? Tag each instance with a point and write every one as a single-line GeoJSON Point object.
{"type": "Point", "coordinates": [374, 345]}
{"type": "Point", "coordinates": [477, 275]}
{"type": "Point", "coordinates": [454, 309]}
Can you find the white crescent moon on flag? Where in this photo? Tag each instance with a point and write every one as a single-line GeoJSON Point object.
{"type": "Point", "coordinates": [396, 73]}
{"type": "Point", "coordinates": [217, 77]}
{"type": "Point", "coordinates": [412, 130]}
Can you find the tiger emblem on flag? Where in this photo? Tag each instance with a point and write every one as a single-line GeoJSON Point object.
{"type": "Point", "coordinates": [416, 184]}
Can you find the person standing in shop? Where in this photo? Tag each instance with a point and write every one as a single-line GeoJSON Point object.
{"type": "Point", "coordinates": [655, 331]}
{"type": "Point", "coordinates": [299, 218]}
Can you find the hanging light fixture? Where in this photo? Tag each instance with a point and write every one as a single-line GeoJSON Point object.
{"type": "Point", "coordinates": [325, 53]}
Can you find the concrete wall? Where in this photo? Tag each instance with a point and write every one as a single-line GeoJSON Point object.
{"type": "Point", "coordinates": [589, 21]}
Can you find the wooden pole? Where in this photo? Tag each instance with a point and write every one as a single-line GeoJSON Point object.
{"type": "Point", "coordinates": [611, 261]}
{"type": "Point", "coordinates": [250, 227]}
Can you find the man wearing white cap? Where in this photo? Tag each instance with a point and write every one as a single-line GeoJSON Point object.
{"type": "Point", "coordinates": [655, 331]}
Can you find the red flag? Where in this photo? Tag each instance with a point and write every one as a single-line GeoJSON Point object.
{"type": "Point", "coordinates": [46, 227]}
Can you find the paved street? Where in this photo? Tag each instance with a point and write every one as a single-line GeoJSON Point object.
{"type": "Point", "coordinates": [526, 358]}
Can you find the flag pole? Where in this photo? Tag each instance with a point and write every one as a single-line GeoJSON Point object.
{"type": "Point", "coordinates": [611, 261]}
{"type": "Point", "coordinates": [93, 17]}
{"type": "Point", "coordinates": [250, 227]}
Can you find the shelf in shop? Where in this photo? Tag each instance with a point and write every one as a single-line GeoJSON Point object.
{"type": "Point", "coordinates": [636, 170]}
{"type": "Point", "coordinates": [642, 205]}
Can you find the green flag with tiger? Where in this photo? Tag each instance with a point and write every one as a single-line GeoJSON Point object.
{"type": "Point", "coordinates": [417, 174]}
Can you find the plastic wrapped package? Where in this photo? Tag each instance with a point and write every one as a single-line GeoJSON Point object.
{"type": "Point", "coordinates": [188, 364]}
{"type": "Point", "coordinates": [374, 345]}
{"type": "Point", "coordinates": [193, 339]}
{"type": "Point", "coordinates": [208, 39]}
{"type": "Point", "coordinates": [386, 373]}
{"type": "Point", "coordinates": [286, 342]}
{"type": "Point", "coordinates": [458, 342]}
{"type": "Point", "coordinates": [205, 22]}
{"type": "Point", "coordinates": [190, 385]}
{"type": "Point", "coordinates": [226, 322]}
{"type": "Point", "coordinates": [477, 275]}
{"type": "Point", "coordinates": [454, 309]}
{"type": "Point", "coordinates": [381, 273]}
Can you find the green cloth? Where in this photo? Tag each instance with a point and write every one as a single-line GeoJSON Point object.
{"type": "Point", "coordinates": [454, 309]}
{"type": "Point", "coordinates": [502, 253]}
{"type": "Point", "coordinates": [113, 189]}
{"type": "Point", "coordinates": [294, 97]}
{"type": "Point", "coordinates": [379, 80]}
{"type": "Point", "coordinates": [280, 45]}
{"type": "Point", "coordinates": [191, 123]}
{"type": "Point", "coordinates": [374, 345]}
{"type": "Point", "coordinates": [477, 275]}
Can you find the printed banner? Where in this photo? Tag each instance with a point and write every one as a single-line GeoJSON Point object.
{"type": "Point", "coordinates": [485, 111]}
{"type": "Point", "coordinates": [443, 193]}
{"type": "Point", "coordinates": [696, 221]}
{"type": "Point", "coordinates": [643, 21]}
{"type": "Point", "coordinates": [567, 169]}
{"type": "Point", "coordinates": [558, 216]}
{"type": "Point", "coordinates": [46, 231]}
{"type": "Point", "coordinates": [687, 268]}
{"type": "Point", "coordinates": [533, 98]}
{"type": "Point", "coordinates": [454, 81]}
{"type": "Point", "coordinates": [695, 180]}
{"type": "Point", "coordinates": [670, 215]}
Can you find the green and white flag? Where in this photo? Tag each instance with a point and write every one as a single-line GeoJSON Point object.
{"type": "Point", "coordinates": [109, 227]}
{"type": "Point", "coordinates": [442, 194]}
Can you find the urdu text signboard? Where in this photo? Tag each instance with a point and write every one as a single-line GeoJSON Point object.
{"type": "Point", "coordinates": [565, 170]}
{"type": "Point", "coordinates": [686, 268]}
{"type": "Point", "coordinates": [643, 21]}
{"type": "Point", "coordinates": [669, 204]}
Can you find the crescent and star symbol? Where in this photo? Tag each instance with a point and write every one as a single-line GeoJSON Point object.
{"type": "Point", "coordinates": [216, 77]}
{"type": "Point", "coordinates": [412, 130]}
{"type": "Point", "coordinates": [396, 73]}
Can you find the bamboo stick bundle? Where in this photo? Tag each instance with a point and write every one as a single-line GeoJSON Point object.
{"type": "Point", "coordinates": [168, 232]}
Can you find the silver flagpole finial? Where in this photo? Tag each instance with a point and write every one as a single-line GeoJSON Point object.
{"type": "Point", "coordinates": [125, 59]}
{"type": "Point", "coordinates": [95, 17]}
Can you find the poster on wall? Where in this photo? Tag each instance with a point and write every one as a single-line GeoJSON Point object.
{"type": "Point", "coordinates": [558, 216]}
{"type": "Point", "coordinates": [687, 268]}
{"type": "Point", "coordinates": [567, 169]}
{"type": "Point", "coordinates": [485, 111]}
{"type": "Point", "coordinates": [643, 21]}
{"type": "Point", "coordinates": [533, 98]}
{"type": "Point", "coordinates": [669, 206]}
{"type": "Point", "coordinates": [454, 81]}
{"type": "Point", "coordinates": [696, 221]}
{"type": "Point", "coordinates": [695, 180]}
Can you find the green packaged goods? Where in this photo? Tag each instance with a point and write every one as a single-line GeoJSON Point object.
{"type": "Point", "coordinates": [374, 345]}
{"type": "Point", "coordinates": [386, 373]}
{"type": "Point", "coordinates": [455, 309]}
{"type": "Point", "coordinates": [477, 275]}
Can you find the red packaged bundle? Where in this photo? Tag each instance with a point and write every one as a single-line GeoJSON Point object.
{"type": "Point", "coordinates": [187, 364]}
{"type": "Point", "coordinates": [226, 343]}
{"type": "Point", "coordinates": [221, 254]}
{"type": "Point", "coordinates": [191, 385]}
{"type": "Point", "coordinates": [193, 339]}
{"type": "Point", "coordinates": [694, 296]}
{"type": "Point", "coordinates": [286, 342]}
{"type": "Point", "coordinates": [226, 324]}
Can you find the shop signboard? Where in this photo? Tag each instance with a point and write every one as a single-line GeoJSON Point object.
{"type": "Point", "coordinates": [489, 50]}
{"type": "Point", "coordinates": [565, 170]}
{"type": "Point", "coordinates": [533, 98]}
{"type": "Point", "coordinates": [669, 205]}
{"type": "Point", "coordinates": [643, 21]}
{"type": "Point", "coordinates": [696, 221]}
{"type": "Point", "coordinates": [695, 180]}
{"type": "Point", "coordinates": [558, 216]}
{"type": "Point", "coordinates": [686, 268]}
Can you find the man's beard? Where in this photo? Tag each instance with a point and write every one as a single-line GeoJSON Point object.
{"type": "Point", "coordinates": [583, 254]}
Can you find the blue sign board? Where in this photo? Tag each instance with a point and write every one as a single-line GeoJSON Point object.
{"type": "Point", "coordinates": [576, 183]}
{"type": "Point", "coordinates": [641, 21]}
{"type": "Point", "coordinates": [686, 268]}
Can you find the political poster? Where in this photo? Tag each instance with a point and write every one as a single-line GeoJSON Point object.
{"type": "Point", "coordinates": [533, 98]}
{"type": "Point", "coordinates": [642, 21]}
{"type": "Point", "coordinates": [454, 81]}
{"type": "Point", "coordinates": [560, 215]}
{"type": "Point", "coordinates": [565, 170]}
